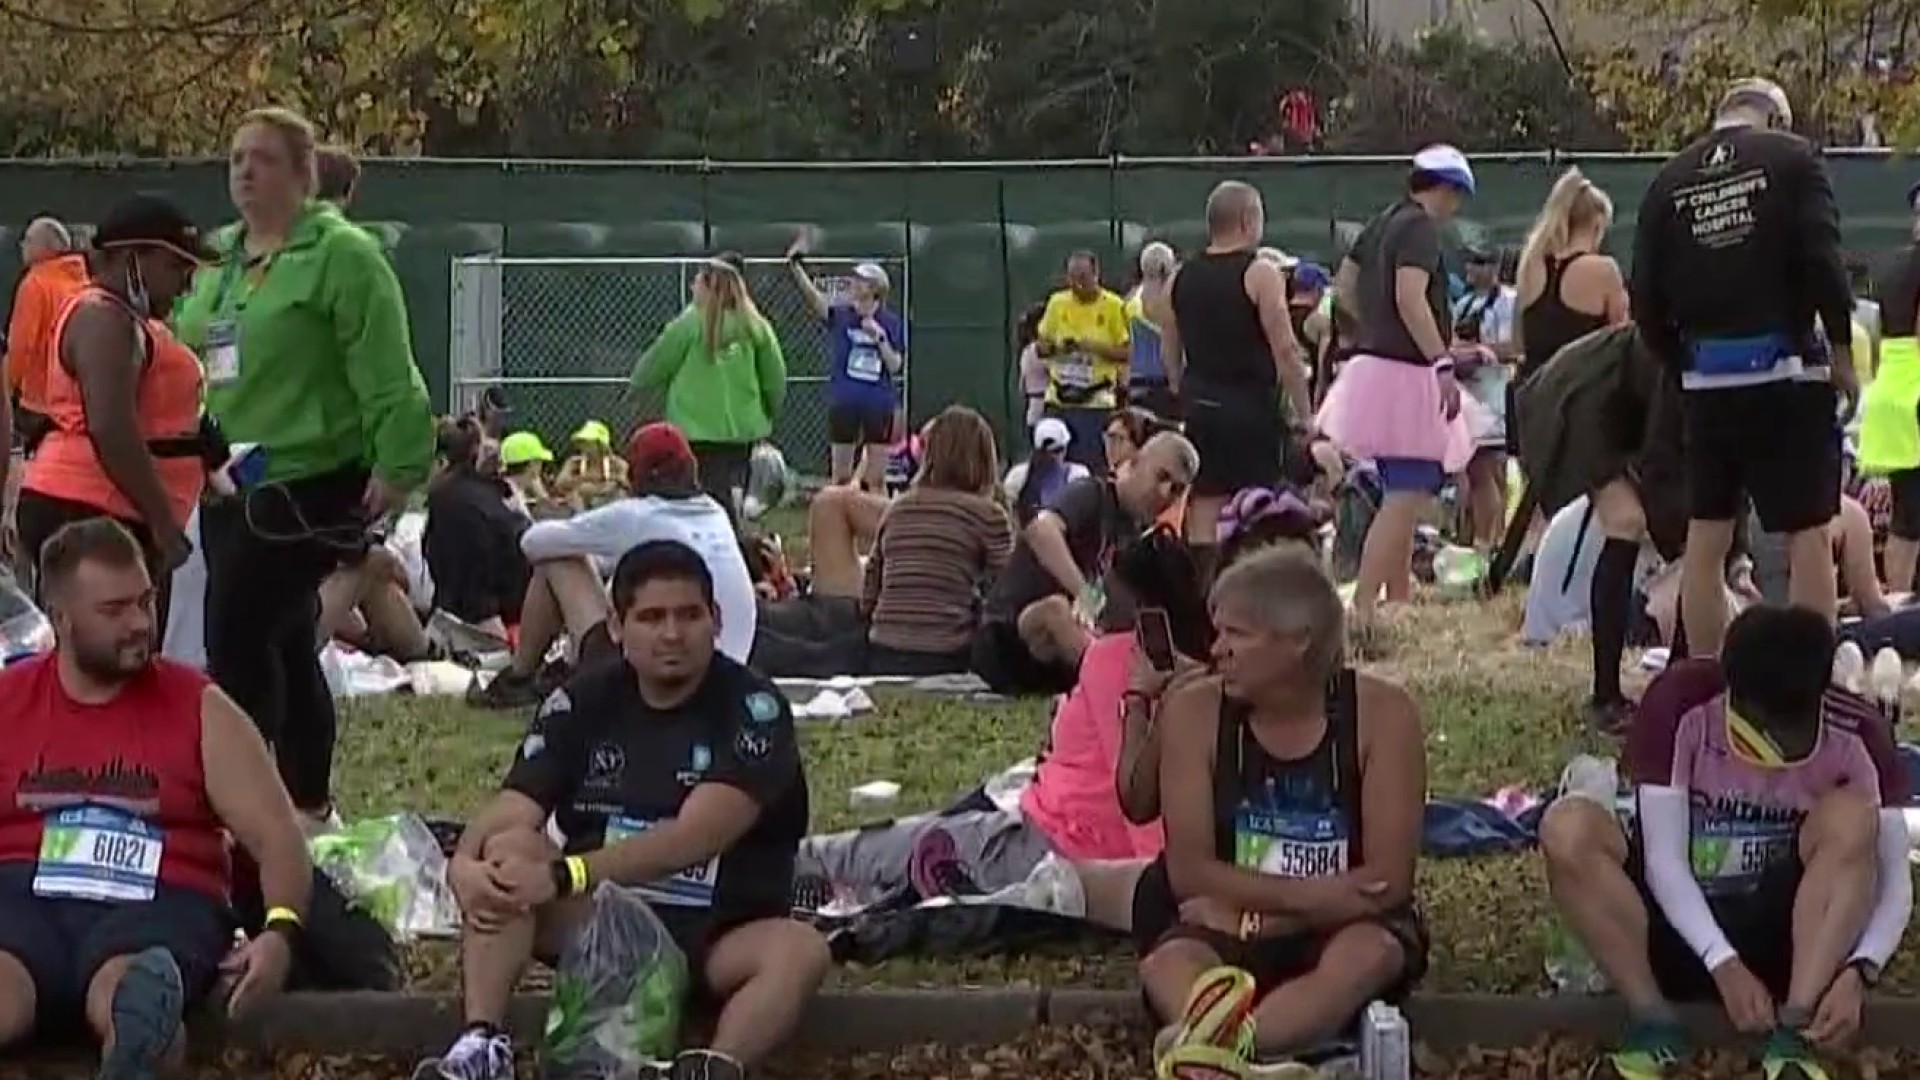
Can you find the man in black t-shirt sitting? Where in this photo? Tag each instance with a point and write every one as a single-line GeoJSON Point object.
{"type": "Point", "coordinates": [1038, 618]}
{"type": "Point", "coordinates": [674, 775]}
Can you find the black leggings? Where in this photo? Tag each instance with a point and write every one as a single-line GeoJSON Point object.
{"type": "Point", "coordinates": [725, 469]}
{"type": "Point", "coordinates": [262, 615]}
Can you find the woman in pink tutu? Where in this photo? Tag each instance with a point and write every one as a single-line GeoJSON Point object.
{"type": "Point", "coordinates": [1396, 401]}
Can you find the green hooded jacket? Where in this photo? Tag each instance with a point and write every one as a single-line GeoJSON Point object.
{"type": "Point", "coordinates": [731, 394]}
{"type": "Point", "coordinates": [326, 378]}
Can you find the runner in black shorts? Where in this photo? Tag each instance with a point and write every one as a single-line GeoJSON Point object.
{"type": "Point", "coordinates": [1230, 354]}
{"type": "Point", "coordinates": [1735, 258]}
{"type": "Point", "coordinates": [673, 775]}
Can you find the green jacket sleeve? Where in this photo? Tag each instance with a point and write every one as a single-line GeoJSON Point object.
{"type": "Point", "coordinates": [370, 327]}
{"type": "Point", "coordinates": [662, 361]}
{"type": "Point", "coordinates": [770, 364]}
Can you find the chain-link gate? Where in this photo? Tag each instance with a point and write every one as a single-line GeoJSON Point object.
{"type": "Point", "coordinates": [561, 336]}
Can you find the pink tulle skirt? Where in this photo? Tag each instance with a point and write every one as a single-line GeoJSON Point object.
{"type": "Point", "coordinates": [1381, 408]}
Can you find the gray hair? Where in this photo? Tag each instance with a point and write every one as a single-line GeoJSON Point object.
{"type": "Point", "coordinates": [1760, 99]}
{"type": "Point", "coordinates": [1156, 260]}
{"type": "Point", "coordinates": [1287, 591]}
{"type": "Point", "coordinates": [1230, 203]}
{"type": "Point", "coordinates": [1185, 459]}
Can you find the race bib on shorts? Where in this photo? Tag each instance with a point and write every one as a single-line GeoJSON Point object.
{"type": "Point", "coordinates": [97, 853]}
{"type": "Point", "coordinates": [1300, 844]}
{"type": "Point", "coordinates": [692, 887]}
{"type": "Point", "coordinates": [222, 356]}
{"type": "Point", "coordinates": [1732, 856]}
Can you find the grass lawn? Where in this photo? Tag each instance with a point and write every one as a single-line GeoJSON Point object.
{"type": "Point", "coordinates": [1495, 715]}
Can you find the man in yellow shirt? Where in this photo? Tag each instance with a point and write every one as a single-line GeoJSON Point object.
{"type": "Point", "coordinates": [1084, 340]}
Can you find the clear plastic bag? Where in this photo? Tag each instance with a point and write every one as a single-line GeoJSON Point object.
{"type": "Point", "coordinates": [393, 868]}
{"type": "Point", "coordinates": [618, 993]}
{"type": "Point", "coordinates": [24, 629]}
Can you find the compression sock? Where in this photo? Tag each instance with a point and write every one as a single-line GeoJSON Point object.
{"type": "Point", "coordinates": [1612, 599]}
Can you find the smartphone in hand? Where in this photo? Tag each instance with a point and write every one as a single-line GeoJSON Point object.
{"type": "Point", "coordinates": [1155, 635]}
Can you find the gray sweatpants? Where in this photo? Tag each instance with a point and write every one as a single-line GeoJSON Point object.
{"type": "Point", "coordinates": [996, 849]}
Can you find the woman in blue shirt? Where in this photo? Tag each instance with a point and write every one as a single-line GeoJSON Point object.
{"type": "Point", "coordinates": [867, 343]}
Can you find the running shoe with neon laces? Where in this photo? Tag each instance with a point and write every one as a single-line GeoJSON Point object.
{"type": "Point", "coordinates": [146, 1011]}
{"type": "Point", "coordinates": [935, 867]}
{"type": "Point", "coordinates": [480, 1053]}
{"type": "Point", "coordinates": [1786, 1056]}
{"type": "Point", "coordinates": [1214, 1036]}
{"type": "Point", "coordinates": [1647, 1053]}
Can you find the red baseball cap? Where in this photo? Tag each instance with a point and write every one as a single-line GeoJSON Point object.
{"type": "Point", "coordinates": [660, 461]}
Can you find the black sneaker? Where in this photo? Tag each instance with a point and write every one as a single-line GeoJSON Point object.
{"type": "Point", "coordinates": [507, 691]}
{"type": "Point", "coordinates": [936, 869]}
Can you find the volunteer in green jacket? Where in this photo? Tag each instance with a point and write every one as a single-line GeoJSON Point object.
{"type": "Point", "coordinates": [1890, 407]}
{"type": "Point", "coordinates": [302, 330]}
{"type": "Point", "coordinates": [724, 375]}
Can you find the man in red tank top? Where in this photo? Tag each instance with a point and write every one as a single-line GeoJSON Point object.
{"type": "Point", "coordinates": [121, 777]}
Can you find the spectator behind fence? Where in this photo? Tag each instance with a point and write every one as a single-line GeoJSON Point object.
{"type": "Point", "coordinates": [54, 272]}
{"type": "Point", "coordinates": [699, 818]}
{"type": "Point", "coordinates": [720, 365]}
{"type": "Point", "coordinates": [867, 353]}
{"type": "Point", "coordinates": [934, 550]}
{"type": "Point", "coordinates": [572, 558]}
{"type": "Point", "coordinates": [122, 777]}
{"type": "Point", "coordinates": [1292, 791]}
{"type": "Point", "coordinates": [327, 388]}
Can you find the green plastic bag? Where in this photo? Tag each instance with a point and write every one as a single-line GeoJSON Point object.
{"type": "Point", "coordinates": [618, 994]}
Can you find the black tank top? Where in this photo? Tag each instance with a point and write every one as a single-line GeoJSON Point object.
{"type": "Point", "coordinates": [1899, 300]}
{"type": "Point", "coordinates": [1297, 818]}
{"type": "Point", "coordinates": [1220, 331]}
{"type": "Point", "coordinates": [1548, 324]}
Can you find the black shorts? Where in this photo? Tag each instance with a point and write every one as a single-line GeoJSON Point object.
{"type": "Point", "coordinates": [39, 516]}
{"type": "Point", "coordinates": [1777, 444]}
{"type": "Point", "coordinates": [1007, 666]}
{"type": "Point", "coordinates": [1759, 926]}
{"type": "Point", "coordinates": [859, 423]}
{"type": "Point", "coordinates": [1239, 434]}
{"type": "Point", "coordinates": [596, 647]}
{"type": "Point", "coordinates": [64, 943]}
{"type": "Point", "coordinates": [1904, 522]}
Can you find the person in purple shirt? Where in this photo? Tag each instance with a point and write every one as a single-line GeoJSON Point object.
{"type": "Point", "coordinates": [867, 343]}
{"type": "Point", "coordinates": [1766, 862]}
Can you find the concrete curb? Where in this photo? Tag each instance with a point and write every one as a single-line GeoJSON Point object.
{"type": "Point", "coordinates": [403, 1025]}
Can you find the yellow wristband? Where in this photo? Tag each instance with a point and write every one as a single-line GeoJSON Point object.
{"type": "Point", "coordinates": [577, 873]}
{"type": "Point", "coordinates": [282, 915]}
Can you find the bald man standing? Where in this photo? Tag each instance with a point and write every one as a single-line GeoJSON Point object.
{"type": "Point", "coordinates": [1229, 353]}
{"type": "Point", "coordinates": [54, 273]}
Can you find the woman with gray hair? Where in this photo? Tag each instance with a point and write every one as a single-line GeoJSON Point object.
{"type": "Point", "coordinates": [1147, 309]}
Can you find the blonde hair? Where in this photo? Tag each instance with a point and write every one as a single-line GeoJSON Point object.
{"type": "Point", "coordinates": [1574, 204]}
{"type": "Point", "coordinates": [297, 133]}
{"type": "Point", "coordinates": [726, 291]}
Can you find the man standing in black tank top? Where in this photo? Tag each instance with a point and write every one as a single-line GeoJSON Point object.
{"type": "Point", "coordinates": [1229, 350]}
{"type": "Point", "coordinates": [1737, 253]}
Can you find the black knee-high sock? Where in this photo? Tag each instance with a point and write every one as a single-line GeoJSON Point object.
{"type": "Point", "coordinates": [1612, 598]}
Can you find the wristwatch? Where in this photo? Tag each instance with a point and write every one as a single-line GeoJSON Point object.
{"type": "Point", "coordinates": [1867, 970]}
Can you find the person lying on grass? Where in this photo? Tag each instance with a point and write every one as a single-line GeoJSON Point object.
{"type": "Point", "coordinates": [122, 777]}
{"type": "Point", "coordinates": [572, 558]}
{"type": "Point", "coordinates": [1766, 865]}
{"type": "Point", "coordinates": [1292, 790]}
{"type": "Point", "coordinates": [673, 773]}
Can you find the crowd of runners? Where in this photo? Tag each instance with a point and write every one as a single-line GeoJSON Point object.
{"type": "Point", "coordinates": [1226, 787]}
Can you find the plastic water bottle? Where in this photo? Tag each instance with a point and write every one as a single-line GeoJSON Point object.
{"type": "Point", "coordinates": [1456, 570]}
{"type": "Point", "coordinates": [1386, 1046]}
{"type": "Point", "coordinates": [24, 629]}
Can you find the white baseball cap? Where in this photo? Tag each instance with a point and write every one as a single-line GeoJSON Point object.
{"type": "Point", "coordinates": [1051, 434]}
{"type": "Point", "coordinates": [875, 275]}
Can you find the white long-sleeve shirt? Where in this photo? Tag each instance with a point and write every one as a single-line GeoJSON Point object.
{"type": "Point", "coordinates": [608, 532]}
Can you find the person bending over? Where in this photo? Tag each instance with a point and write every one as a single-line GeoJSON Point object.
{"type": "Point", "coordinates": [1292, 792]}
{"type": "Point", "coordinates": [699, 814]}
{"type": "Point", "coordinates": [1033, 484]}
{"type": "Point", "coordinates": [1768, 865]}
{"type": "Point", "coordinates": [1037, 618]}
{"type": "Point", "coordinates": [121, 777]}
{"type": "Point", "coordinates": [571, 560]}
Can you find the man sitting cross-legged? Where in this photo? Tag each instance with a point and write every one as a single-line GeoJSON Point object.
{"type": "Point", "coordinates": [673, 773]}
{"type": "Point", "coordinates": [1767, 866]}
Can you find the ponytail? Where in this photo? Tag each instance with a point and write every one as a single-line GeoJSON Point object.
{"type": "Point", "coordinates": [1574, 203]}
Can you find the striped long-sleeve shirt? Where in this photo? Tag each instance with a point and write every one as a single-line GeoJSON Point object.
{"type": "Point", "coordinates": [936, 554]}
